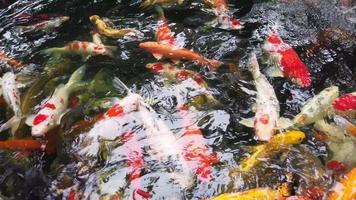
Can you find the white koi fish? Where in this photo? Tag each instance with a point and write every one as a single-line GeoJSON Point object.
{"type": "Point", "coordinates": [12, 97]}
{"type": "Point", "coordinates": [316, 108]}
{"type": "Point", "coordinates": [44, 25]}
{"type": "Point", "coordinates": [84, 48]}
{"type": "Point", "coordinates": [50, 114]}
{"type": "Point", "coordinates": [266, 119]}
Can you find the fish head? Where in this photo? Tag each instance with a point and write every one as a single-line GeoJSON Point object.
{"type": "Point", "coordinates": [94, 18]}
{"type": "Point", "coordinates": [155, 67]}
{"type": "Point", "coordinates": [290, 137]}
{"type": "Point", "coordinates": [332, 92]}
{"type": "Point", "coordinates": [131, 102]}
{"type": "Point", "coordinates": [65, 18]}
{"type": "Point", "coordinates": [264, 127]}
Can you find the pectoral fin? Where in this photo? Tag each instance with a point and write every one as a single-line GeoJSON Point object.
{"type": "Point", "coordinates": [157, 56]}
{"type": "Point", "coordinates": [29, 120]}
{"type": "Point", "coordinates": [284, 123]}
{"type": "Point", "coordinates": [249, 122]}
{"type": "Point", "coordinates": [274, 71]}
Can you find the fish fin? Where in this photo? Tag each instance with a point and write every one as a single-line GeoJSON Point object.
{"type": "Point", "coordinates": [249, 122]}
{"type": "Point", "coordinates": [119, 85]}
{"type": "Point", "coordinates": [51, 51]}
{"type": "Point", "coordinates": [111, 50]}
{"type": "Point", "coordinates": [176, 62]}
{"type": "Point", "coordinates": [157, 56]}
{"type": "Point", "coordinates": [274, 71]}
{"type": "Point", "coordinates": [12, 123]}
{"type": "Point", "coordinates": [29, 120]}
{"type": "Point", "coordinates": [254, 107]}
{"type": "Point", "coordinates": [284, 123]}
{"type": "Point", "coordinates": [58, 122]}
{"type": "Point", "coordinates": [76, 77]}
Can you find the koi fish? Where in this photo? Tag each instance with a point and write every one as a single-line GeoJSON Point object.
{"type": "Point", "coordinates": [345, 189]}
{"type": "Point", "coordinates": [286, 60]}
{"type": "Point", "coordinates": [257, 193]}
{"type": "Point", "coordinates": [12, 97]}
{"type": "Point", "coordinates": [44, 25]}
{"type": "Point", "coordinates": [148, 3]}
{"type": "Point", "coordinates": [344, 124]}
{"type": "Point", "coordinates": [49, 115]}
{"type": "Point", "coordinates": [195, 151]}
{"type": "Point", "coordinates": [224, 19]}
{"type": "Point", "coordinates": [107, 31]}
{"type": "Point", "coordinates": [341, 145]}
{"type": "Point", "coordinates": [176, 53]}
{"type": "Point", "coordinates": [10, 61]}
{"type": "Point", "coordinates": [346, 104]}
{"type": "Point", "coordinates": [164, 35]}
{"type": "Point", "coordinates": [83, 48]}
{"type": "Point", "coordinates": [267, 118]}
{"type": "Point", "coordinates": [316, 108]}
{"type": "Point", "coordinates": [276, 144]}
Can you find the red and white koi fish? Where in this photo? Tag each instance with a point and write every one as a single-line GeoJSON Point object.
{"type": "Point", "coordinates": [224, 19]}
{"type": "Point", "coordinates": [84, 48]}
{"type": "Point", "coordinates": [346, 104]}
{"type": "Point", "coordinates": [44, 25]}
{"type": "Point", "coordinates": [195, 151]}
{"type": "Point", "coordinates": [286, 60]}
{"type": "Point", "coordinates": [11, 94]}
{"type": "Point", "coordinates": [164, 35]}
{"type": "Point", "coordinates": [267, 118]}
{"type": "Point", "coordinates": [317, 107]}
{"type": "Point", "coordinates": [177, 53]}
{"type": "Point", "coordinates": [49, 115]}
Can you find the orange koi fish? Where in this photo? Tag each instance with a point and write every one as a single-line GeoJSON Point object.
{"type": "Point", "coordinates": [287, 62]}
{"type": "Point", "coordinates": [164, 35]}
{"type": "Point", "coordinates": [345, 189]}
{"type": "Point", "coordinates": [224, 19]}
{"type": "Point", "coordinates": [176, 53]}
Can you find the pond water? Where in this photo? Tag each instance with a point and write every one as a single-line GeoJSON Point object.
{"type": "Point", "coordinates": [133, 164]}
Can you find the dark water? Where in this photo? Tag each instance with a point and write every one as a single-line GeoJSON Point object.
{"type": "Point", "coordinates": [322, 33]}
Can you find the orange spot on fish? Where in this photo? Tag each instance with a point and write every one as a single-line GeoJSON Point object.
{"type": "Point", "coordinates": [85, 45]}
{"type": "Point", "coordinates": [50, 106]}
{"type": "Point", "coordinates": [142, 193]}
{"type": "Point", "coordinates": [75, 45]}
{"type": "Point", "coordinates": [183, 74]}
{"type": "Point", "coordinates": [157, 67]}
{"type": "Point", "coordinates": [115, 110]}
{"type": "Point", "coordinates": [199, 80]}
{"type": "Point", "coordinates": [39, 119]}
{"type": "Point", "coordinates": [320, 136]}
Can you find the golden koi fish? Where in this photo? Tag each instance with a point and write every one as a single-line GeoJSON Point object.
{"type": "Point", "coordinates": [276, 144]}
{"type": "Point", "coordinates": [345, 189]}
{"type": "Point", "coordinates": [104, 29]}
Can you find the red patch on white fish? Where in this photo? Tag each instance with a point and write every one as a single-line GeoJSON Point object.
{"type": "Point", "coordinates": [195, 150]}
{"type": "Point", "coordinates": [158, 67]}
{"type": "Point", "coordinates": [50, 106]}
{"type": "Point", "coordinates": [182, 74]}
{"type": "Point", "coordinates": [39, 119]}
{"type": "Point", "coordinates": [164, 34]}
{"type": "Point", "coordinates": [345, 102]}
{"type": "Point", "coordinates": [336, 166]}
{"type": "Point", "coordinates": [264, 119]}
{"type": "Point", "coordinates": [291, 65]}
{"type": "Point", "coordinates": [145, 195]}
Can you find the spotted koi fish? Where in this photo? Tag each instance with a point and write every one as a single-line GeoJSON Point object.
{"type": "Point", "coordinates": [267, 117]}
{"type": "Point", "coordinates": [346, 104]}
{"type": "Point", "coordinates": [195, 151]}
{"type": "Point", "coordinates": [224, 19]}
{"type": "Point", "coordinates": [345, 189]}
{"type": "Point", "coordinates": [177, 53]}
{"type": "Point", "coordinates": [164, 35]}
{"type": "Point", "coordinates": [267, 150]}
{"type": "Point", "coordinates": [83, 48]}
{"type": "Point", "coordinates": [107, 31]}
{"type": "Point", "coordinates": [44, 25]}
{"type": "Point", "coordinates": [49, 115]}
{"type": "Point", "coordinates": [316, 108]}
{"type": "Point", "coordinates": [148, 3]}
{"type": "Point", "coordinates": [10, 61]}
{"type": "Point", "coordinates": [11, 95]}
{"type": "Point", "coordinates": [286, 60]}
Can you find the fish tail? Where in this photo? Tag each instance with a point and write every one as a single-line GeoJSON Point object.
{"type": "Point", "coordinates": [253, 66]}
{"type": "Point", "coordinates": [12, 123]}
{"type": "Point", "coordinates": [212, 65]}
{"type": "Point", "coordinates": [52, 51]}
{"type": "Point", "coordinates": [76, 78]}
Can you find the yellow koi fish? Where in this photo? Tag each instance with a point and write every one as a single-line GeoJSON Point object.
{"type": "Point", "coordinates": [276, 144]}
{"type": "Point", "coordinates": [104, 29]}
{"type": "Point", "coordinates": [345, 189]}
